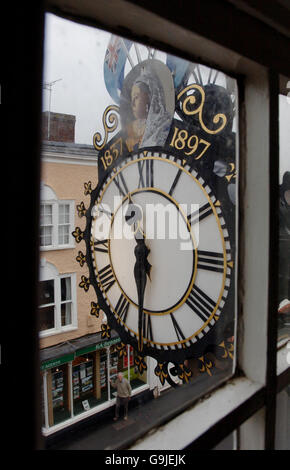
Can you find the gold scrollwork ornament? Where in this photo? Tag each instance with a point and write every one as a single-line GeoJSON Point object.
{"type": "Point", "coordinates": [78, 234]}
{"type": "Point", "coordinates": [88, 188]}
{"type": "Point", "coordinates": [81, 209]}
{"type": "Point", "coordinates": [105, 331]}
{"type": "Point", "coordinates": [161, 372]}
{"type": "Point", "coordinates": [95, 309]}
{"type": "Point", "coordinates": [85, 283]}
{"type": "Point", "coordinates": [81, 259]}
{"type": "Point", "coordinates": [190, 100]}
{"type": "Point", "coordinates": [205, 365]}
{"type": "Point", "coordinates": [122, 349]}
{"type": "Point", "coordinates": [184, 373]}
{"type": "Point", "coordinates": [110, 123]}
{"type": "Point", "coordinates": [141, 364]}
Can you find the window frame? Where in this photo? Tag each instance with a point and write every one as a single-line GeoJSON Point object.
{"type": "Point", "coordinates": [258, 137]}
{"type": "Point", "coordinates": [52, 274]}
{"type": "Point", "coordinates": [177, 36]}
{"type": "Point", "coordinates": [55, 245]}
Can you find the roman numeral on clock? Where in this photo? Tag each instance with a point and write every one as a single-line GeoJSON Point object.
{"type": "Point", "coordinates": [120, 182]}
{"type": "Point", "coordinates": [200, 214]}
{"type": "Point", "coordinates": [147, 327]}
{"type": "Point", "coordinates": [178, 331]}
{"type": "Point", "coordinates": [210, 260]}
{"type": "Point", "coordinates": [106, 277]}
{"type": "Point", "coordinates": [200, 303]}
{"type": "Point", "coordinates": [146, 173]}
{"type": "Point", "coordinates": [176, 179]}
{"type": "Point", "coordinates": [101, 246]}
{"type": "Point", "coordinates": [122, 308]}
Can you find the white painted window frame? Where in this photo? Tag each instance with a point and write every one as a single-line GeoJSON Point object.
{"type": "Point", "coordinates": [52, 274]}
{"type": "Point", "coordinates": [55, 203]}
{"type": "Point", "coordinates": [254, 251]}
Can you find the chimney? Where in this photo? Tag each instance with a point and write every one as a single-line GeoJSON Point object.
{"type": "Point", "coordinates": [61, 127]}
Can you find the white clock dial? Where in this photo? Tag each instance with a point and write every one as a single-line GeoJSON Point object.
{"type": "Point", "coordinates": [189, 247]}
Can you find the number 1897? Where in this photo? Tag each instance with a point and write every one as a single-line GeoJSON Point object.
{"type": "Point", "coordinates": [181, 140]}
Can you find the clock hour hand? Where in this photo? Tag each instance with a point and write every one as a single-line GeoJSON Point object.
{"type": "Point", "coordinates": [133, 213]}
{"type": "Point", "coordinates": [141, 271]}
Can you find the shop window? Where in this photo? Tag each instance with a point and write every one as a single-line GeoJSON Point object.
{"type": "Point", "coordinates": [84, 383]}
{"type": "Point", "coordinates": [136, 378]}
{"type": "Point", "coordinates": [127, 365]}
{"type": "Point", "coordinates": [57, 306]}
{"type": "Point", "coordinates": [56, 221]}
{"type": "Point", "coordinates": [114, 369]}
{"type": "Point", "coordinates": [59, 406]}
{"type": "Point", "coordinates": [103, 375]}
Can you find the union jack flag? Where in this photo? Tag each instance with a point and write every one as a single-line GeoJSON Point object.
{"type": "Point", "coordinates": [114, 64]}
{"type": "Point", "coordinates": [112, 53]}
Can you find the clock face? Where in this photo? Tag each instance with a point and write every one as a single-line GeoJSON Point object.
{"type": "Point", "coordinates": [179, 217]}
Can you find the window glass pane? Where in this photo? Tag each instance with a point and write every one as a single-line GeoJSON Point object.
{"type": "Point", "coordinates": [63, 234]}
{"type": "Point", "coordinates": [45, 214]}
{"type": "Point", "coordinates": [86, 392]}
{"type": "Point", "coordinates": [65, 288]}
{"type": "Point", "coordinates": [46, 318]}
{"type": "Point", "coordinates": [63, 214]}
{"type": "Point", "coordinates": [284, 219]}
{"type": "Point", "coordinates": [59, 403]}
{"type": "Point", "coordinates": [46, 297]}
{"type": "Point", "coordinates": [145, 145]}
{"type": "Point", "coordinates": [45, 236]}
{"type": "Point", "coordinates": [47, 292]}
{"type": "Point", "coordinates": [136, 378]}
{"type": "Point", "coordinates": [42, 402]}
{"type": "Point", "coordinates": [103, 381]}
{"type": "Point", "coordinates": [66, 318]}
{"type": "Point", "coordinates": [114, 369]}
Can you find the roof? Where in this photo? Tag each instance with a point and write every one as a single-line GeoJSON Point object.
{"type": "Point", "coordinates": [68, 148]}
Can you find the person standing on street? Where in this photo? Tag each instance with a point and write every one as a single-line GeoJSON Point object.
{"type": "Point", "coordinates": [123, 395]}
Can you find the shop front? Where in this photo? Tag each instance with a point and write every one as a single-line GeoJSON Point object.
{"type": "Point", "coordinates": [76, 379]}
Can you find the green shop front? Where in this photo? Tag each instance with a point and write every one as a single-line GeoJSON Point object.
{"type": "Point", "coordinates": [76, 378]}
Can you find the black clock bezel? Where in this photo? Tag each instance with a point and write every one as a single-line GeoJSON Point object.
{"type": "Point", "coordinates": [224, 325]}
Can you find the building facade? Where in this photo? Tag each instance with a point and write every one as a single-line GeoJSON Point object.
{"type": "Point", "coordinates": [77, 360]}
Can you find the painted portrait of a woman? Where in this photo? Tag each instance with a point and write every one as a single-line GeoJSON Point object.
{"type": "Point", "coordinates": [147, 105]}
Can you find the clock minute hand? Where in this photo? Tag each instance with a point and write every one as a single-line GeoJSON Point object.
{"type": "Point", "coordinates": [141, 271]}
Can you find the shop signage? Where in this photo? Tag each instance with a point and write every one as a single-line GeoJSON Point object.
{"type": "Point", "coordinates": [105, 344]}
{"type": "Point", "coordinates": [70, 357]}
{"type": "Point", "coordinates": [57, 362]}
